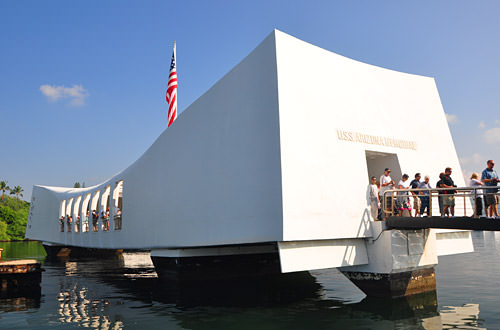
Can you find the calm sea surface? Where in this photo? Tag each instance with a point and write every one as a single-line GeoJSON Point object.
{"type": "Point", "coordinates": [124, 293]}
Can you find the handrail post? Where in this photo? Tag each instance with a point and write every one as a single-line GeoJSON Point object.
{"type": "Point", "coordinates": [429, 210]}
{"type": "Point", "coordinates": [476, 216]}
{"type": "Point", "coordinates": [465, 211]}
{"type": "Point", "coordinates": [391, 211]}
{"type": "Point", "coordinates": [383, 205]}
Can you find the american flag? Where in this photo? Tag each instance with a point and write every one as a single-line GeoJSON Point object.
{"type": "Point", "coordinates": [172, 91]}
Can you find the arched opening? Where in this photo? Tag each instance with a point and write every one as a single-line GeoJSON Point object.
{"type": "Point", "coordinates": [95, 211]}
{"type": "Point", "coordinates": [62, 215]}
{"type": "Point", "coordinates": [85, 214]}
{"type": "Point", "coordinates": [116, 209]}
{"type": "Point", "coordinates": [69, 217]}
{"type": "Point", "coordinates": [76, 214]}
{"type": "Point", "coordinates": [104, 213]}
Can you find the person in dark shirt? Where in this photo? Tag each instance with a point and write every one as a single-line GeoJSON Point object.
{"type": "Point", "coordinates": [441, 194]}
{"type": "Point", "coordinates": [95, 219]}
{"type": "Point", "coordinates": [449, 195]}
{"type": "Point", "coordinates": [416, 200]}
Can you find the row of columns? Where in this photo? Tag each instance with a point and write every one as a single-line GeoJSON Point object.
{"type": "Point", "coordinates": [80, 205]}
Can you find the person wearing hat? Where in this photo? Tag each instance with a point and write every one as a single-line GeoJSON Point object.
{"type": "Point", "coordinates": [386, 183]}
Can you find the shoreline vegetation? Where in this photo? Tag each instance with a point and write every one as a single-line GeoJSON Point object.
{"type": "Point", "coordinates": [14, 212]}
{"type": "Point", "coordinates": [13, 218]}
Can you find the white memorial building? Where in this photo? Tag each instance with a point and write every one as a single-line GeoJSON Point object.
{"type": "Point", "coordinates": [271, 166]}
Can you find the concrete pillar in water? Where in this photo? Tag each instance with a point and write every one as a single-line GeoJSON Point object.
{"type": "Point", "coordinates": [401, 263]}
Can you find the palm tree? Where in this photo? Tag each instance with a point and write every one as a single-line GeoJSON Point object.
{"type": "Point", "coordinates": [17, 190]}
{"type": "Point", "coordinates": [4, 187]}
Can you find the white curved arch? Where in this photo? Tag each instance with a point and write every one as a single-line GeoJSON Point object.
{"type": "Point", "coordinates": [75, 214]}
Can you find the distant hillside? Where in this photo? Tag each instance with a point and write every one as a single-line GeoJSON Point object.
{"type": "Point", "coordinates": [13, 218]}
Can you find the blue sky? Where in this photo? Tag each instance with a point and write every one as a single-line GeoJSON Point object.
{"type": "Point", "coordinates": [82, 88]}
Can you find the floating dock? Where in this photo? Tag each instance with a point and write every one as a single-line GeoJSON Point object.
{"type": "Point", "coordinates": [17, 274]}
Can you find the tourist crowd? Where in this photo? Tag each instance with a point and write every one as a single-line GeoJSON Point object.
{"type": "Point", "coordinates": [486, 192]}
{"type": "Point", "coordinates": [95, 218]}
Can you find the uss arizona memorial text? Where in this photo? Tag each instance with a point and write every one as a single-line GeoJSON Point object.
{"type": "Point", "coordinates": [378, 140]}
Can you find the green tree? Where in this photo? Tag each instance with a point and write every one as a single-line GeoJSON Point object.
{"type": "Point", "coordinates": [76, 185]}
{"type": "Point", "coordinates": [17, 190]}
{"type": "Point", "coordinates": [4, 187]}
{"type": "Point", "coordinates": [13, 218]}
{"type": "Point", "coordinates": [3, 231]}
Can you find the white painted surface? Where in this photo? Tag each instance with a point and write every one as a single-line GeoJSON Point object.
{"type": "Point", "coordinates": [394, 251]}
{"type": "Point", "coordinates": [454, 242]}
{"type": "Point", "coordinates": [308, 255]}
{"type": "Point", "coordinates": [324, 178]}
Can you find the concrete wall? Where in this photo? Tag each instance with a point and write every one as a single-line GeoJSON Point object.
{"type": "Point", "coordinates": [324, 177]}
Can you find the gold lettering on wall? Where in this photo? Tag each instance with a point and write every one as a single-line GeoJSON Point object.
{"type": "Point", "coordinates": [373, 139]}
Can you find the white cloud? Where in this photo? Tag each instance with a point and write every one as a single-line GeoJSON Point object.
{"type": "Point", "coordinates": [467, 174]}
{"type": "Point", "coordinates": [471, 164]}
{"type": "Point", "coordinates": [452, 119]}
{"type": "Point", "coordinates": [492, 136]}
{"type": "Point", "coordinates": [76, 94]}
{"type": "Point", "coordinates": [475, 159]}
{"type": "Point", "coordinates": [481, 125]}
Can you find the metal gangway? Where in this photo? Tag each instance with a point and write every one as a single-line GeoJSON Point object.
{"type": "Point", "coordinates": [465, 217]}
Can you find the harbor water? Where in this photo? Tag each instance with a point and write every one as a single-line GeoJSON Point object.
{"type": "Point", "coordinates": [124, 293]}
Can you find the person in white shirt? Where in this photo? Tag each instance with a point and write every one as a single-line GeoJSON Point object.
{"type": "Point", "coordinates": [403, 199]}
{"type": "Point", "coordinates": [386, 183]}
{"type": "Point", "coordinates": [474, 182]}
{"type": "Point", "coordinates": [374, 200]}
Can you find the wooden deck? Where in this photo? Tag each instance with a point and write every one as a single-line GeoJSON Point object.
{"type": "Point", "coordinates": [16, 274]}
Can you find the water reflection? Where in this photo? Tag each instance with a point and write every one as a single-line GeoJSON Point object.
{"type": "Point", "coordinates": [100, 294]}
{"type": "Point", "coordinates": [19, 304]}
{"type": "Point", "coordinates": [463, 317]}
{"type": "Point", "coordinates": [19, 298]}
{"type": "Point", "coordinates": [75, 305]}
{"type": "Point", "coordinates": [124, 292]}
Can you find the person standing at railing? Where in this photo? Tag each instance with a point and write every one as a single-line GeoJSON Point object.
{"type": "Point", "coordinates": [69, 220]}
{"type": "Point", "coordinates": [490, 179]}
{"type": "Point", "coordinates": [386, 183]}
{"type": "Point", "coordinates": [424, 196]}
{"type": "Point", "coordinates": [478, 201]}
{"type": "Point", "coordinates": [439, 184]}
{"type": "Point", "coordinates": [86, 227]}
{"type": "Point", "coordinates": [374, 200]}
{"type": "Point", "coordinates": [61, 220]}
{"type": "Point", "coordinates": [449, 195]}
{"type": "Point", "coordinates": [403, 199]}
{"type": "Point", "coordinates": [95, 218]}
{"type": "Point", "coordinates": [417, 203]}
